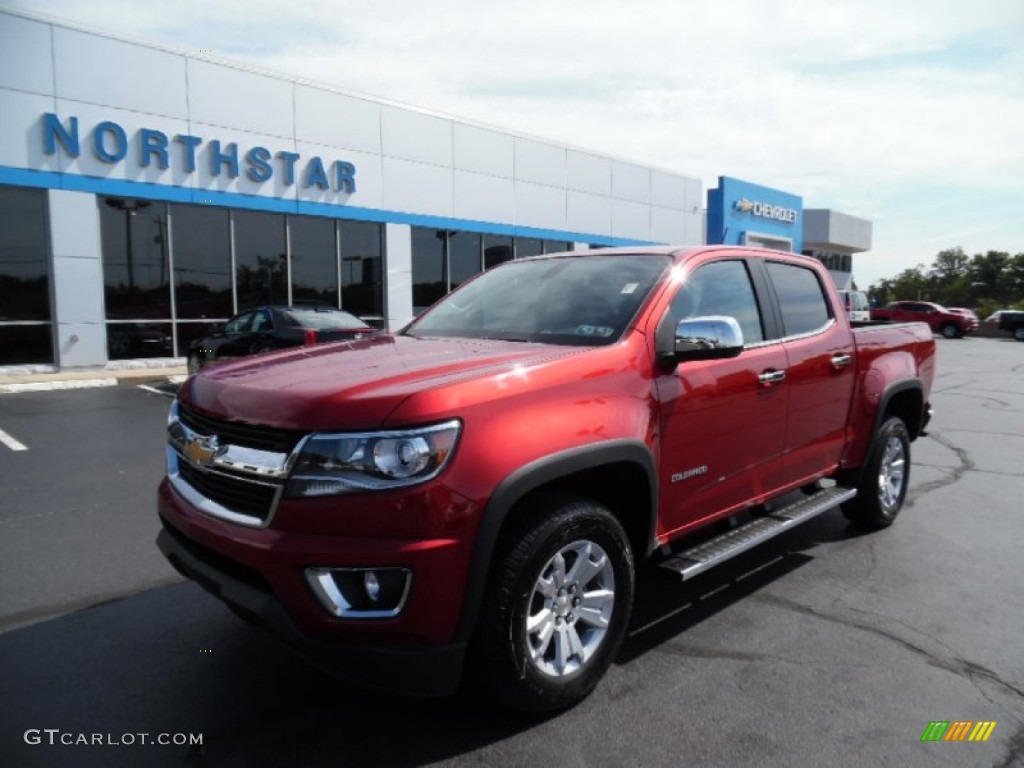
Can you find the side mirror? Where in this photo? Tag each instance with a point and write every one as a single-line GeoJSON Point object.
{"type": "Point", "coordinates": [707, 338]}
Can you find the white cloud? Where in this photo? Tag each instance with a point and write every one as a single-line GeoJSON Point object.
{"type": "Point", "coordinates": [875, 108]}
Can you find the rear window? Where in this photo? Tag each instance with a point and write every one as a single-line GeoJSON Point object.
{"type": "Point", "coordinates": [801, 298]}
{"type": "Point", "coordinates": [323, 320]}
{"type": "Point", "coordinates": [857, 301]}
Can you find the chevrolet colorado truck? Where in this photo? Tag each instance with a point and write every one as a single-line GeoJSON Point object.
{"type": "Point", "coordinates": [471, 496]}
{"type": "Point", "coordinates": [952, 325]}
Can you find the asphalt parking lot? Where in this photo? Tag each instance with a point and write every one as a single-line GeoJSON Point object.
{"type": "Point", "coordinates": [822, 647]}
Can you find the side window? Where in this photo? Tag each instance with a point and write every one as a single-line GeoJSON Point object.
{"type": "Point", "coordinates": [240, 324]}
{"type": "Point", "coordinates": [720, 288]}
{"type": "Point", "coordinates": [262, 322]}
{"type": "Point", "coordinates": [801, 299]}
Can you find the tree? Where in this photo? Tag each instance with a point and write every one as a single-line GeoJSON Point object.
{"type": "Point", "coordinates": [949, 265]}
{"type": "Point", "coordinates": [988, 281]}
{"type": "Point", "coordinates": [1010, 284]}
{"type": "Point", "coordinates": [908, 284]}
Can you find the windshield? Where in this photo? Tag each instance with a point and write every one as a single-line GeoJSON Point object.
{"type": "Point", "coordinates": [572, 300]}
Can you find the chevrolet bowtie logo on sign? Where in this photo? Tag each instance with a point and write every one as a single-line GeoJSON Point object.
{"type": "Point", "coordinates": [958, 730]}
{"type": "Point", "coordinates": [766, 210]}
{"type": "Point", "coordinates": [201, 451]}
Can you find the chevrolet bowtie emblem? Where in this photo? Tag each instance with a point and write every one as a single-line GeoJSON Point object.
{"type": "Point", "coordinates": [744, 205]}
{"type": "Point", "coordinates": [201, 450]}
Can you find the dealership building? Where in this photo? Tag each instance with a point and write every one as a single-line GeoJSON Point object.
{"type": "Point", "coordinates": [148, 193]}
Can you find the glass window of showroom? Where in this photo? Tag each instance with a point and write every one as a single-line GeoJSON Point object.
{"type": "Point", "coordinates": [172, 270]}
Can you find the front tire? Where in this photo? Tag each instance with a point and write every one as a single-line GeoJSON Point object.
{"type": "Point", "coordinates": [195, 363]}
{"type": "Point", "coordinates": [1018, 333]}
{"type": "Point", "coordinates": [950, 331]}
{"type": "Point", "coordinates": [883, 485]}
{"type": "Point", "coordinates": [557, 607]}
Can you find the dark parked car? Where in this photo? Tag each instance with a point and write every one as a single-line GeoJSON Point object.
{"type": "Point", "coordinates": [268, 328]}
{"type": "Point", "coordinates": [1013, 322]}
{"type": "Point", "coordinates": [138, 340]}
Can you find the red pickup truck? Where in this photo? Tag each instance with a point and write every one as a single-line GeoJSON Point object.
{"type": "Point", "coordinates": [950, 324]}
{"type": "Point", "coordinates": [474, 493]}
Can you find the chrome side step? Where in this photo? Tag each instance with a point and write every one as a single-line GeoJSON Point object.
{"type": "Point", "coordinates": [719, 549]}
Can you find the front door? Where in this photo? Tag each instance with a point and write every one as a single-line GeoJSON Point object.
{"type": "Point", "coordinates": [722, 421]}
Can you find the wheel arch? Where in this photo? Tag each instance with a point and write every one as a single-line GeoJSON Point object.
{"type": "Point", "coordinates": [619, 474]}
{"type": "Point", "coordinates": [904, 399]}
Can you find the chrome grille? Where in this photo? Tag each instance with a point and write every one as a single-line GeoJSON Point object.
{"type": "Point", "coordinates": [232, 471]}
{"type": "Point", "coordinates": [236, 433]}
{"type": "Point", "coordinates": [237, 494]}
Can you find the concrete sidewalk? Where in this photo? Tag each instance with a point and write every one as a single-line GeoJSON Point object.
{"type": "Point", "coordinates": [44, 378]}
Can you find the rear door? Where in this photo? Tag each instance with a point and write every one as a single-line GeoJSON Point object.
{"type": "Point", "coordinates": [820, 370]}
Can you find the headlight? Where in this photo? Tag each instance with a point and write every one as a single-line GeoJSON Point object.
{"type": "Point", "coordinates": [371, 461]}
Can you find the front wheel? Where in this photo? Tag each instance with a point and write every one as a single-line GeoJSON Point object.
{"type": "Point", "coordinates": [950, 330]}
{"type": "Point", "coordinates": [1018, 333]}
{"type": "Point", "coordinates": [883, 485]}
{"type": "Point", "coordinates": [195, 363]}
{"type": "Point", "coordinates": [557, 607]}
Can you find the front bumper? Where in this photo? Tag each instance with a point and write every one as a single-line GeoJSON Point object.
{"type": "Point", "coordinates": [412, 670]}
{"type": "Point", "coordinates": [261, 573]}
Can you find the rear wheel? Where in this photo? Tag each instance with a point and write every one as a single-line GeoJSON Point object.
{"type": "Point", "coordinates": [556, 608]}
{"type": "Point", "coordinates": [951, 330]}
{"type": "Point", "coordinates": [883, 484]}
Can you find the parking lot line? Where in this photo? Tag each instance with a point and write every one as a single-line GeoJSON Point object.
{"type": "Point", "coordinates": [11, 443]}
{"type": "Point", "coordinates": [158, 391]}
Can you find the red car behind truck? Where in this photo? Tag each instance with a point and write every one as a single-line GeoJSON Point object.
{"type": "Point", "coordinates": [474, 493]}
{"type": "Point", "coordinates": [950, 324]}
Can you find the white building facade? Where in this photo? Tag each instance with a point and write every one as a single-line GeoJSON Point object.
{"type": "Point", "coordinates": [147, 193]}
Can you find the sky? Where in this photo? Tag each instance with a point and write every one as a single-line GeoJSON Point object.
{"type": "Point", "coordinates": [909, 114]}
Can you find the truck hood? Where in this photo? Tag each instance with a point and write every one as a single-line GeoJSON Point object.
{"type": "Point", "coordinates": [351, 385]}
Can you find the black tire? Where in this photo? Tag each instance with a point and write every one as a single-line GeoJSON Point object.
{"type": "Point", "coordinates": [195, 363]}
{"type": "Point", "coordinates": [951, 331]}
{"type": "Point", "coordinates": [879, 500]}
{"type": "Point", "coordinates": [1018, 333]}
{"type": "Point", "coordinates": [504, 659]}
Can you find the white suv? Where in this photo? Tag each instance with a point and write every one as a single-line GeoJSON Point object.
{"type": "Point", "coordinates": [856, 304]}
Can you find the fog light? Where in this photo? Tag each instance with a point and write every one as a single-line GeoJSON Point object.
{"type": "Point", "coordinates": [371, 585]}
{"type": "Point", "coordinates": [367, 593]}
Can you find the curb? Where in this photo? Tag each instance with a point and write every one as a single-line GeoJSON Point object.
{"type": "Point", "coordinates": [49, 386]}
{"type": "Point", "coordinates": [13, 383]}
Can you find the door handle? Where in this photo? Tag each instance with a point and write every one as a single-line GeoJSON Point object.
{"type": "Point", "coordinates": [841, 361]}
{"type": "Point", "coordinates": [771, 378]}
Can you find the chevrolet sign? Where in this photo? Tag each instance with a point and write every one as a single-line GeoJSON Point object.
{"type": "Point", "coordinates": [765, 210]}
